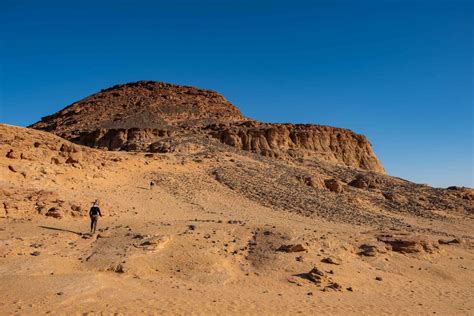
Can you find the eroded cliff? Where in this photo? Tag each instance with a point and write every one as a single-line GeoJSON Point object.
{"type": "Point", "coordinates": [154, 116]}
{"type": "Point", "coordinates": [301, 141]}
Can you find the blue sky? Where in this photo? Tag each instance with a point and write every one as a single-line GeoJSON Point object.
{"type": "Point", "coordinates": [400, 72]}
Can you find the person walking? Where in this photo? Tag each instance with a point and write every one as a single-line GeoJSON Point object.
{"type": "Point", "coordinates": [94, 214]}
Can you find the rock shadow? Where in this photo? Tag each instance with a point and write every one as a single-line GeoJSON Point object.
{"type": "Point", "coordinates": [62, 230]}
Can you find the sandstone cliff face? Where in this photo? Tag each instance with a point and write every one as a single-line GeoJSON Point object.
{"type": "Point", "coordinates": [302, 141]}
{"type": "Point", "coordinates": [152, 116]}
{"type": "Point", "coordinates": [132, 139]}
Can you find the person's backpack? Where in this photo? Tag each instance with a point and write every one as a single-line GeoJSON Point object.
{"type": "Point", "coordinates": [95, 210]}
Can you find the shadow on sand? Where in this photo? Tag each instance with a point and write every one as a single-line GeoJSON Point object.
{"type": "Point", "coordinates": [143, 188]}
{"type": "Point", "coordinates": [62, 230]}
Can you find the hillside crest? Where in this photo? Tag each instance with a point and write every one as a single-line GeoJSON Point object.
{"type": "Point", "coordinates": [154, 116]}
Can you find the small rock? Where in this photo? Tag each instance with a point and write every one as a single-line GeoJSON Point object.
{"type": "Point", "coordinates": [35, 253]}
{"type": "Point", "coordinates": [12, 168]}
{"type": "Point", "coordinates": [334, 185]}
{"type": "Point", "coordinates": [447, 242]}
{"type": "Point", "coordinates": [54, 212]}
{"type": "Point", "coordinates": [72, 160]}
{"type": "Point", "coordinates": [233, 221]}
{"type": "Point", "coordinates": [378, 278]}
{"type": "Point", "coordinates": [408, 244]}
{"type": "Point", "coordinates": [291, 248]}
{"type": "Point", "coordinates": [359, 183]}
{"type": "Point", "coordinates": [102, 235]}
{"type": "Point", "coordinates": [295, 281]}
{"type": "Point", "coordinates": [454, 188]}
{"type": "Point", "coordinates": [154, 243]}
{"type": "Point", "coordinates": [77, 209]}
{"type": "Point", "coordinates": [332, 260]}
{"type": "Point", "coordinates": [74, 156]}
{"type": "Point", "coordinates": [310, 181]}
{"type": "Point", "coordinates": [333, 286]}
{"type": "Point", "coordinates": [368, 250]}
{"type": "Point", "coordinates": [139, 236]}
{"type": "Point", "coordinates": [119, 268]}
{"type": "Point", "coordinates": [315, 275]}
{"type": "Point", "coordinates": [12, 154]}
{"type": "Point", "coordinates": [395, 197]}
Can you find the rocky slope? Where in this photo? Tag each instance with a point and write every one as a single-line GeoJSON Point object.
{"type": "Point", "coordinates": [209, 229]}
{"type": "Point", "coordinates": [155, 117]}
{"type": "Point", "coordinates": [34, 162]}
{"type": "Point", "coordinates": [142, 104]}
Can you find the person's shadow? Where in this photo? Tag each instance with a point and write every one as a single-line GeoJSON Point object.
{"type": "Point", "coordinates": [62, 230]}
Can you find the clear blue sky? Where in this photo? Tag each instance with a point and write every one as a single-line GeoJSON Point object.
{"type": "Point", "coordinates": [400, 72]}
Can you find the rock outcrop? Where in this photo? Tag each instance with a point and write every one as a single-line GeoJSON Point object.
{"type": "Point", "coordinates": [142, 104]}
{"type": "Point", "coordinates": [301, 141]}
{"type": "Point", "coordinates": [150, 116]}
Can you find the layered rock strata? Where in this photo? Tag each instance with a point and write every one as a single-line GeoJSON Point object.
{"type": "Point", "coordinates": [153, 116]}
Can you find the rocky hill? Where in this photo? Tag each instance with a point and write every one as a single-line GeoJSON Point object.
{"type": "Point", "coordinates": [142, 104]}
{"type": "Point", "coordinates": [155, 117]}
{"type": "Point", "coordinates": [208, 212]}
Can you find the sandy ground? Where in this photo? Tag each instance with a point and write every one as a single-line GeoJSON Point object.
{"type": "Point", "coordinates": [200, 248]}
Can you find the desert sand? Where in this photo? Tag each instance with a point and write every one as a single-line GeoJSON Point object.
{"type": "Point", "coordinates": [197, 243]}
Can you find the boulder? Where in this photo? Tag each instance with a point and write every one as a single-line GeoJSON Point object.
{"type": "Point", "coordinates": [368, 250]}
{"type": "Point", "coordinates": [333, 286]}
{"type": "Point", "coordinates": [332, 260]}
{"type": "Point", "coordinates": [317, 276]}
{"type": "Point", "coordinates": [160, 147]}
{"type": "Point", "coordinates": [310, 181]}
{"type": "Point", "coordinates": [408, 244]}
{"type": "Point", "coordinates": [291, 248]}
{"type": "Point", "coordinates": [449, 241]}
{"type": "Point", "coordinates": [74, 158]}
{"type": "Point", "coordinates": [334, 185]}
{"type": "Point", "coordinates": [77, 210]}
{"type": "Point", "coordinates": [68, 148]}
{"type": "Point", "coordinates": [153, 243]}
{"type": "Point", "coordinates": [54, 212]}
{"type": "Point", "coordinates": [359, 183]}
